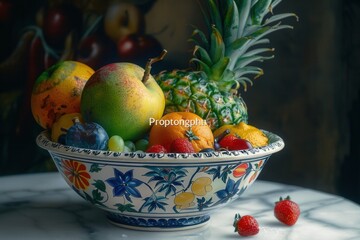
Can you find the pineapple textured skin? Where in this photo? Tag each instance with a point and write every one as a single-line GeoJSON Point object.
{"type": "Point", "coordinates": [192, 91]}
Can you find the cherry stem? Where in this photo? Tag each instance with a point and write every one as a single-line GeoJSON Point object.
{"type": "Point", "coordinates": [222, 135]}
{"type": "Point", "coordinates": [149, 63]}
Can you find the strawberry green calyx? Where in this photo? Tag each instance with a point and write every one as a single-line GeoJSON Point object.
{"type": "Point", "coordinates": [236, 219]}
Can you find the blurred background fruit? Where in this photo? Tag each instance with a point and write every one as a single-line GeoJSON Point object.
{"type": "Point", "coordinates": [6, 11]}
{"type": "Point", "coordinates": [138, 48]}
{"type": "Point", "coordinates": [59, 21]}
{"type": "Point", "coordinates": [50, 31]}
{"type": "Point", "coordinates": [122, 19]}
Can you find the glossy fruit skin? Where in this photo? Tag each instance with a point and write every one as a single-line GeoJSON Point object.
{"type": "Point", "coordinates": [287, 211]}
{"type": "Point", "coordinates": [226, 141]}
{"type": "Point", "coordinates": [87, 135]}
{"type": "Point", "coordinates": [239, 144]}
{"type": "Point", "coordinates": [181, 145]}
{"type": "Point", "coordinates": [116, 98]}
{"type": "Point", "coordinates": [246, 225]}
{"type": "Point", "coordinates": [116, 143]}
{"type": "Point", "coordinates": [156, 149]}
{"type": "Point", "coordinates": [233, 143]}
{"type": "Point", "coordinates": [60, 127]}
{"type": "Point", "coordinates": [57, 91]}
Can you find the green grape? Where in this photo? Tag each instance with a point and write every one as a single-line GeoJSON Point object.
{"type": "Point", "coordinates": [116, 144]}
{"type": "Point", "coordinates": [130, 145]}
{"type": "Point", "coordinates": [127, 149]}
{"type": "Point", "coordinates": [141, 144]}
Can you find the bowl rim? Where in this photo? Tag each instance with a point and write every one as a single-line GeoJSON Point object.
{"type": "Point", "coordinates": [105, 156]}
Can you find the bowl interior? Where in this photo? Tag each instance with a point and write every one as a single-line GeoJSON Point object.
{"type": "Point", "coordinates": [275, 144]}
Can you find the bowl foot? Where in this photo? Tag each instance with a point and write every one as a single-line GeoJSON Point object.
{"type": "Point", "coordinates": [158, 224]}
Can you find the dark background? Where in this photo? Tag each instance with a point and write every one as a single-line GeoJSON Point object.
{"type": "Point", "coordinates": [309, 94]}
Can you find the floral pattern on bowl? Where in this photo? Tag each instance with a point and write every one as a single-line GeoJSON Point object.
{"type": "Point", "coordinates": [159, 191]}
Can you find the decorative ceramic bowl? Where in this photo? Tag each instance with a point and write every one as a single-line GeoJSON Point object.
{"type": "Point", "coordinates": [152, 191]}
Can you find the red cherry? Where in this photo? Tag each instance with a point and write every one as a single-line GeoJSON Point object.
{"type": "Point", "coordinates": [240, 144]}
{"type": "Point", "coordinates": [226, 141]}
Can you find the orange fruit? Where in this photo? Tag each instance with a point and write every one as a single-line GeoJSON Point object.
{"type": "Point", "coordinates": [57, 91]}
{"type": "Point", "coordinates": [181, 125]}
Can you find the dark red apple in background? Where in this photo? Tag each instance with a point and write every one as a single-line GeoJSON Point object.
{"type": "Point", "coordinates": [58, 22]}
{"type": "Point", "coordinates": [6, 11]}
{"type": "Point", "coordinates": [92, 51]}
{"type": "Point", "coordinates": [138, 48]}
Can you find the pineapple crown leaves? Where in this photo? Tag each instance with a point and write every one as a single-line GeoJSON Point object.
{"type": "Point", "coordinates": [236, 28]}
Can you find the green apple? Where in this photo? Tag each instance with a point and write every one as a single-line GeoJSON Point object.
{"type": "Point", "coordinates": [122, 98]}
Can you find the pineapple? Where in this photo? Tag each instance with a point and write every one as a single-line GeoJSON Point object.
{"type": "Point", "coordinates": [223, 60]}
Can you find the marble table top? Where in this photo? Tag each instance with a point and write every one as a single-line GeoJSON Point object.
{"type": "Point", "coordinates": [43, 207]}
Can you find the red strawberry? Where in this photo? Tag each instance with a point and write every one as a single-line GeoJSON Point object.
{"type": "Point", "coordinates": [287, 211]}
{"type": "Point", "coordinates": [246, 225]}
{"type": "Point", "coordinates": [181, 145]}
{"type": "Point", "coordinates": [156, 149]}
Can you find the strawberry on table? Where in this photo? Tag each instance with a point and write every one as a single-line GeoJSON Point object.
{"type": "Point", "coordinates": [246, 225]}
{"type": "Point", "coordinates": [287, 211]}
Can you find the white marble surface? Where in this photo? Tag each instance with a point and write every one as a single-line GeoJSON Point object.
{"type": "Point", "coordinates": [43, 207]}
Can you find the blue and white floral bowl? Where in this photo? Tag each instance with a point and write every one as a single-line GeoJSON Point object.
{"type": "Point", "coordinates": [159, 192]}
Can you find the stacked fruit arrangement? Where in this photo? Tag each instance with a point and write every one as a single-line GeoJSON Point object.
{"type": "Point", "coordinates": [122, 107]}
